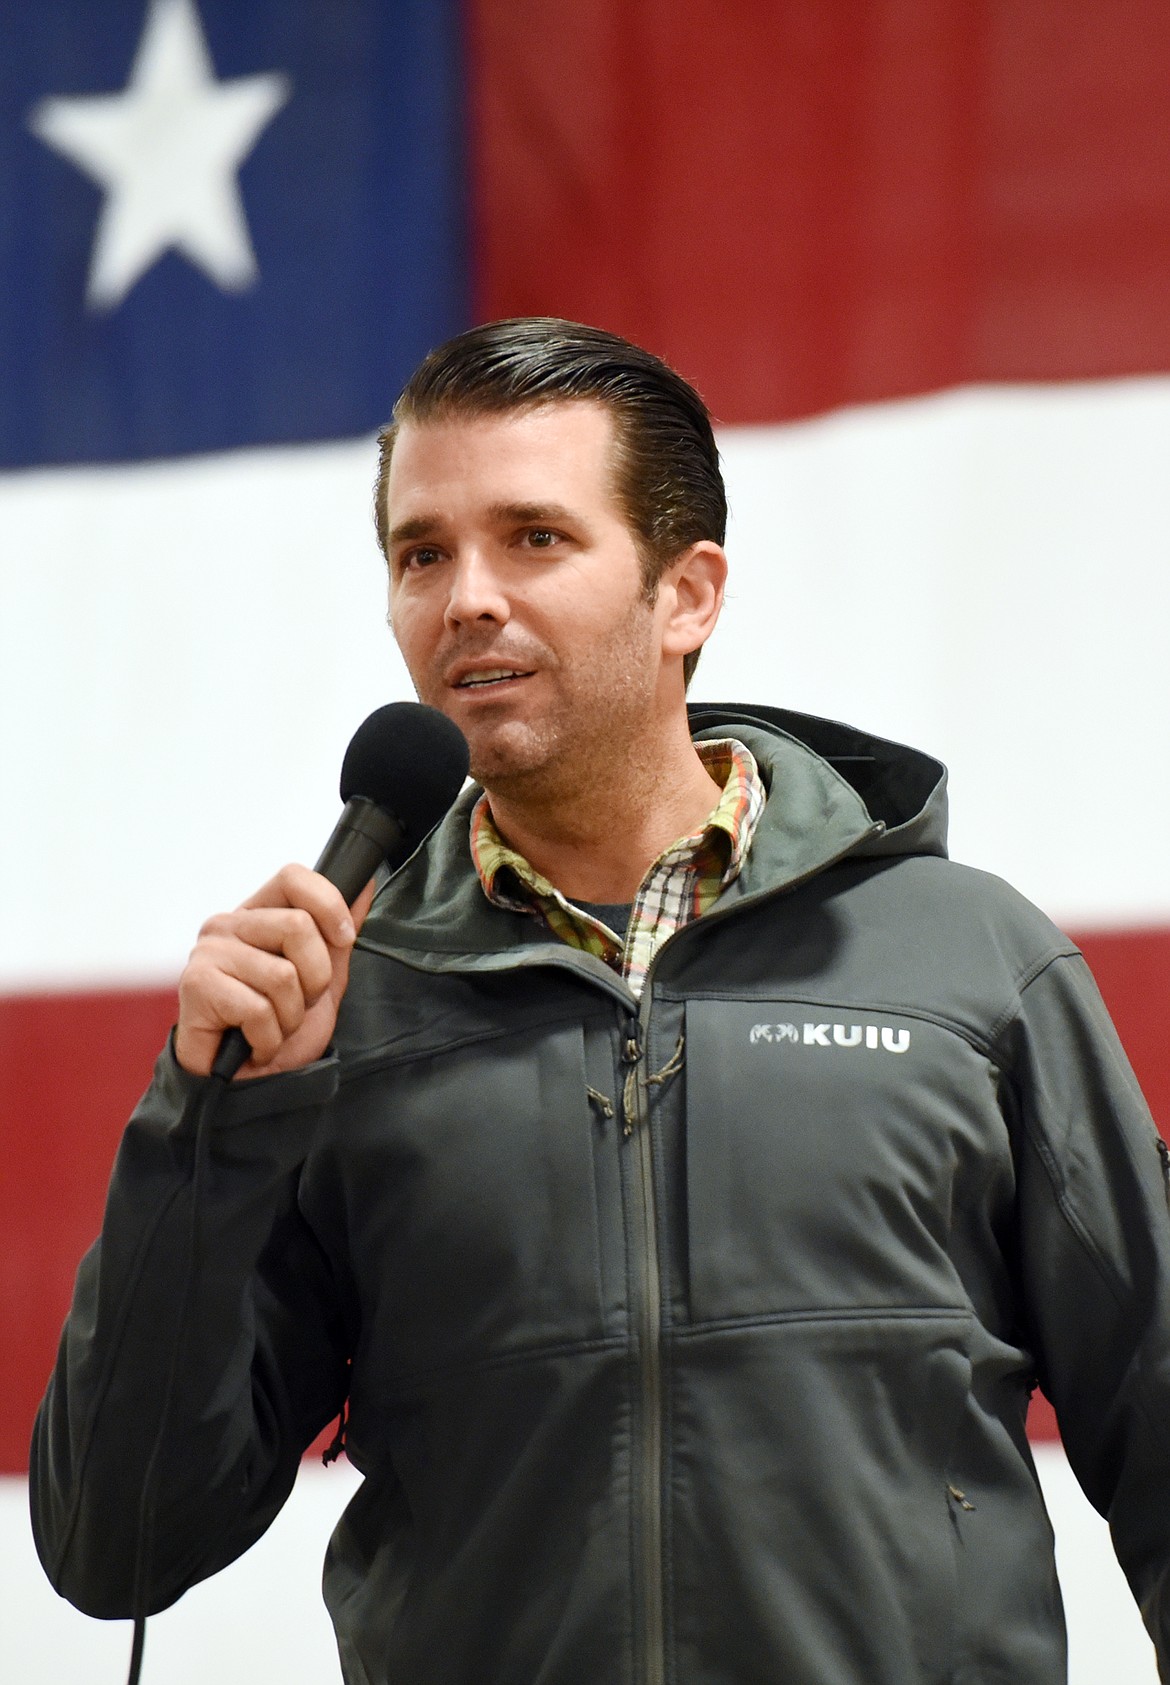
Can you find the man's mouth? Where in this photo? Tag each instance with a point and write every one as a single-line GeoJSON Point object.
{"type": "Point", "coordinates": [491, 676]}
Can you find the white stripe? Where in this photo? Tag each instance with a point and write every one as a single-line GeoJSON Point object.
{"type": "Point", "coordinates": [187, 649]}
{"type": "Point", "coordinates": [188, 646]}
{"type": "Point", "coordinates": [985, 574]}
{"type": "Point", "coordinates": [263, 1618]}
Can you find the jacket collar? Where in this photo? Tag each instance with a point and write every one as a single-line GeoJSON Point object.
{"type": "Point", "coordinates": [833, 791]}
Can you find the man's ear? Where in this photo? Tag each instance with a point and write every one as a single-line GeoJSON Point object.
{"type": "Point", "coordinates": [693, 586]}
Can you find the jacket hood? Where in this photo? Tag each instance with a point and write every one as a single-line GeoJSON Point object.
{"type": "Point", "coordinates": [902, 790]}
{"type": "Point", "coordinates": [839, 792]}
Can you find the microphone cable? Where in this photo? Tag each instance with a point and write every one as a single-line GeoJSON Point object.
{"type": "Point", "coordinates": [206, 1103]}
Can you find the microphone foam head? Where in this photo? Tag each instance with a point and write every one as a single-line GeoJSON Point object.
{"type": "Point", "coordinates": [409, 759]}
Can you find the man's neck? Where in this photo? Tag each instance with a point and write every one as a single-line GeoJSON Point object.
{"type": "Point", "coordinates": [597, 840]}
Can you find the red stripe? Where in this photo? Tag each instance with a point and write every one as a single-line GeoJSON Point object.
{"type": "Point", "coordinates": [804, 205]}
{"type": "Point", "coordinates": [75, 1064]}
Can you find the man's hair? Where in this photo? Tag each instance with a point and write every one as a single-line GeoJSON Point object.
{"type": "Point", "coordinates": [666, 464]}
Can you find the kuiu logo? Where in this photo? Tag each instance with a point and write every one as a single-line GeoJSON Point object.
{"type": "Point", "coordinates": [880, 1036]}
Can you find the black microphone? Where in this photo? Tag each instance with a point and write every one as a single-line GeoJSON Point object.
{"type": "Point", "coordinates": [404, 767]}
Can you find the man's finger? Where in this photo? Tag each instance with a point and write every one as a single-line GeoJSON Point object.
{"type": "Point", "coordinates": [270, 975]}
{"type": "Point", "coordinates": [288, 931]}
{"type": "Point", "coordinates": [297, 886]}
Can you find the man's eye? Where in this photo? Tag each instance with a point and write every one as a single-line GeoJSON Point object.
{"type": "Point", "coordinates": [541, 538]}
{"type": "Point", "coordinates": [420, 557]}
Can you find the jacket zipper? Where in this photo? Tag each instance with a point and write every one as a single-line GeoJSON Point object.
{"type": "Point", "coordinates": [649, 1485]}
{"type": "Point", "coordinates": [636, 1126]}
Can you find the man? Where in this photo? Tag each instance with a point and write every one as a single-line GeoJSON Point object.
{"type": "Point", "coordinates": [699, 1175]}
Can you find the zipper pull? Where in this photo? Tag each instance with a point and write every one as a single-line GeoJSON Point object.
{"type": "Point", "coordinates": [672, 1066]}
{"type": "Point", "coordinates": [630, 1057]}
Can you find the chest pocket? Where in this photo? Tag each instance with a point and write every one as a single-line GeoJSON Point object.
{"type": "Point", "coordinates": [471, 1201]}
{"type": "Point", "coordinates": [825, 1148]}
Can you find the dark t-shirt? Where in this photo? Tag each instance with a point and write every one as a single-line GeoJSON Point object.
{"type": "Point", "coordinates": [616, 914]}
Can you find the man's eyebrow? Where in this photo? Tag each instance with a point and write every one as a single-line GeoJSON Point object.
{"type": "Point", "coordinates": [534, 514]}
{"type": "Point", "coordinates": [409, 532]}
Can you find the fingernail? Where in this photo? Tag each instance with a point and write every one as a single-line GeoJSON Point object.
{"type": "Point", "coordinates": [347, 931]}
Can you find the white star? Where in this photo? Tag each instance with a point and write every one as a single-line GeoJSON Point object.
{"type": "Point", "coordinates": [166, 150]}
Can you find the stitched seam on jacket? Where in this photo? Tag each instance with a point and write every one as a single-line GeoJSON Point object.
{"type": "Point", "coordinates": [1025, 980]}
{"type": "Point", "coordinates": [983, 1042]}
{"type": "Point", "coordinates": [1044, 1153]}
{"type": "Point", "coordinates": [107, 1376]}
{"type": "Point", "coordinates": [375, 1060]}
{"type": "Point", "coordinates": [1089, 1248]}
{"type": "Point", "coordinates": [515, 1358]}
{"type": "Point", "coordinates": [952, 1026]}
{"type": "Point", "coordinates": [863, 1314]}
{"type": "Point", "coordinates": [1039, 1145]}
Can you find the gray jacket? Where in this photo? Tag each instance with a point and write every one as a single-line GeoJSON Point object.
{"type": "Point", "coordinates": [689, 1341]}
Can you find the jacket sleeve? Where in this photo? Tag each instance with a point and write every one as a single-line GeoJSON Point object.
{"type": "Point", "coordinates": [261, 1363]}
{"type": "Point", "coordinates": [1094, 1251]}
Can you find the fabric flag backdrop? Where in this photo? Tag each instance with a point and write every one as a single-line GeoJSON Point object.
{"type": "Point", "coordinates": [917, 258]}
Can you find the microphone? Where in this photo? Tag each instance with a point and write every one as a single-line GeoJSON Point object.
{"type": "Point", "coordinates": [404, 767]}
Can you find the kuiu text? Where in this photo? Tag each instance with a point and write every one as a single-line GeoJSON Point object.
{"type": "Point", "coordinates": [882, 1036]}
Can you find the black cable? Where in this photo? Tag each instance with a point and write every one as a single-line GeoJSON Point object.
{"type": "Point", "coordinates": [136, 1649]}
{"type": "Point", "coordinates": [205, 1103]}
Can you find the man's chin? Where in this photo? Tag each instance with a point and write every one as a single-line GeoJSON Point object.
{"type": "Point", "coordinates": [505, 756]}
{"type": "Point", "coordinates": [502, 772]}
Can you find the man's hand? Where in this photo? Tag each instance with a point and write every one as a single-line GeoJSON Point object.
{"type": "Point", "coordinates": [277, 967]}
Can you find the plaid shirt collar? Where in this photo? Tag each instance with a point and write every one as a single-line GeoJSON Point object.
{"type": "Point", "coordinates": [685, 880]}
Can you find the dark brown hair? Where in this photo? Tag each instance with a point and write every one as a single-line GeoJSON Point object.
{"type": "Point", "coordinates": [666, 464]}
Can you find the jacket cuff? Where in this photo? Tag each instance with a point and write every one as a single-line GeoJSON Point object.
{"type": "Point", "coordinates": [293, 1097]}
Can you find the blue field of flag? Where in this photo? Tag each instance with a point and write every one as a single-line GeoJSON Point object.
{"type": "Point", "coordinates": [222, 225]}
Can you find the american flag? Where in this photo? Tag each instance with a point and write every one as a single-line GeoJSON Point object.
{"type": "Point", "coordinates": [916, 258]}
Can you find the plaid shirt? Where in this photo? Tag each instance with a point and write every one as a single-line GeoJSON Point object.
{"type": "Point", "coordinates": [685, 880]}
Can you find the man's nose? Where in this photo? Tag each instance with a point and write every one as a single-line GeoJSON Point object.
{"type": "Point", "coordinates": [477, 591]}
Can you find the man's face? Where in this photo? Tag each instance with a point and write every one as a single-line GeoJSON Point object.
{"type": "Point", "coordinates": [516, 593]}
